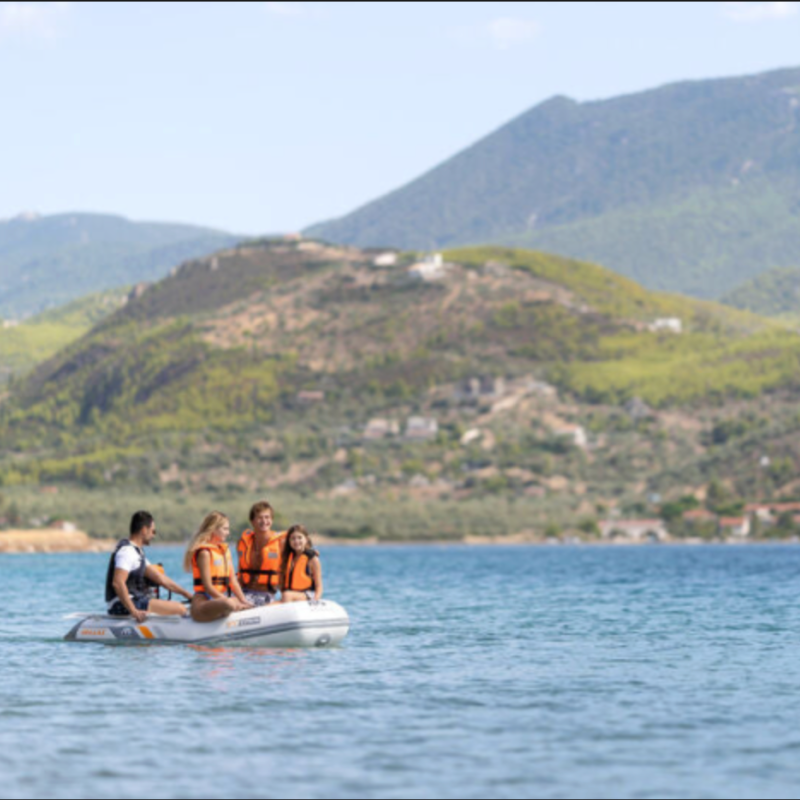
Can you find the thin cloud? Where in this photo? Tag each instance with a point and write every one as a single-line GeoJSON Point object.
{"type": "Point", "coordinates": [508, 32]}
{"type": "Point", "coordinates": [758, 12]}
{"type": "Point", "coordinates": [33, 19]}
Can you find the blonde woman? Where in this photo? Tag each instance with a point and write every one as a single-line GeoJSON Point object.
{"type": "Point", "coordinates": [217, 592]}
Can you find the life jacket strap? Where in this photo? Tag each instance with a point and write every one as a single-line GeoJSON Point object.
{"type": "Point", "coordinates": [268, 572]}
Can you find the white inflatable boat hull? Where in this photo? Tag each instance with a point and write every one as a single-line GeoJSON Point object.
{"type": "Point", "coordinates": [311, 624]}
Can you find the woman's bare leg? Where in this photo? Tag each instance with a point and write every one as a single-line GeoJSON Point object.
{"type": "Point", "coordinates": [204, 610]}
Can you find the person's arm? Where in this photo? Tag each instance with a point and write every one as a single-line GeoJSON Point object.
{"type": "Point", "coordinates": [240, 552]}
{"type": "Point", "coordinates": [120, 584]}
{"type": "Point", "coordinates": [156, 576]}
{"type": "Point", "coordinates": [237, 592]}
{"type": "Point", "coordinates": [316, 574]}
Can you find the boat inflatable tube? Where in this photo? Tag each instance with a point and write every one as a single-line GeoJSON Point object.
{"type": "Point", "coordinates": [310, 624]}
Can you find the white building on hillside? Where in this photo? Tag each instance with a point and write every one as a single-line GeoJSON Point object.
{"type": "Point", "coordinates": [385, 260]}
{"type": "Point", "coordinates": [667, 324]}
{"type": "Point", "coordinates": [634, 530]}
{"type": "Point", "coordinates": [734, 526]}
{"type": "Point", "coordinates": [431, 269]}
{"type": "Point", "coordinates": [381, 429]}
{"type": "Point", "coordinates": [421, 429]}
{"type": "Point", "coordinates": [575, 433]}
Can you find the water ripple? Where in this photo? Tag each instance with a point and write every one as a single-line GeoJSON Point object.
{"type": "Point", "coordinates": [660, 672]}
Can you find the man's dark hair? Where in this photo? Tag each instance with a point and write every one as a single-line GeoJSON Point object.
{"type": "Point", "coordinates": [141, 519]}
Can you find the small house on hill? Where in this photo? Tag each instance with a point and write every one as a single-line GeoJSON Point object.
{"type": "Point", "coordinates": [381, 429]}
{"type": "Point", "coordinates": [760, 510]}
{"type": "Point", "coordinates": [634, 530]}
{"type": "Point", "coordinates": [575, 433]}
{"type": "Point", "coordinates": [431, 269]}
{"type": "Point", "coordinates": [63, 525]}
{"type": "Point", "coordinates": [421, 429]}
{"type": "Point", "coordinates": [734, 526]}
{"type": "Point", "coordinates": [487, 387]}
{"type": "Point", "coordinates": [385, 260]}
{"type": "Point", "coordinates": [667, 325]}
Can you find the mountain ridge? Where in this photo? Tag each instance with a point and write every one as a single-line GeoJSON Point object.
{"type": "Point", "coordinates": [51, 260]}
{"type": "Point", "coordinates": [721, 154]}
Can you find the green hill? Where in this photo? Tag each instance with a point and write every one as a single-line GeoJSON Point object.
{"type": "Point", "coordinates": [266, 321]}
{"type": "Point", "coordinates": [48, 261]}
{"type": "Point", "coordinates": [774, 294]}
{"type": "Point", "coordinates": [693, 187]}
{"type": "Point", "coordinates": [26, 344]}
{"type": "Point", "coordinates": [302, 369]}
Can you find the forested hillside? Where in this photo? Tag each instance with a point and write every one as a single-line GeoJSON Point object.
{"type": "Point", "coordinates": [693, 187]}
{"type": "Point", "coordinates": [537, 386]}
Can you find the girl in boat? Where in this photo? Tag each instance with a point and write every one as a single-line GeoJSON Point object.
{"type": "Point", "coordinates": [302, 570]}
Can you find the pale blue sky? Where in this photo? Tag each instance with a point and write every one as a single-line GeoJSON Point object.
{"type": "Point", "coordinates": [262, 117]}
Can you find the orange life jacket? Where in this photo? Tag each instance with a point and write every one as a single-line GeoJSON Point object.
{"type": "Point", "coordinates": [268, 577]}
{"type": "Point", "coordinates": [221, 568]}
{"type": "Point", "coordinates": [299, 577]}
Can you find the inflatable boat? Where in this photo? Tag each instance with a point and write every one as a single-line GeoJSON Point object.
{"type": "Point", "coordinates": [311, 624]}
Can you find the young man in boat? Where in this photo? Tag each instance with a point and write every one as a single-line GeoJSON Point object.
{"type": "Point", "coordinates": [261, 556]}
{"type": "Point", "coordinates": [130, 576]}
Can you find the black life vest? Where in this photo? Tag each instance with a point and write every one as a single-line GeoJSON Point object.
{"type": "Point", "coordinates": [137, 585]}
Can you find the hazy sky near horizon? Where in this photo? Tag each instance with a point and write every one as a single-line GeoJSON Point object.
{"type": "Point", "coordinates": [269, 116]}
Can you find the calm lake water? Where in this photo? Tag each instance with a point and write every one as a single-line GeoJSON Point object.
{"type": "Point", "coordinates": [468, 673]}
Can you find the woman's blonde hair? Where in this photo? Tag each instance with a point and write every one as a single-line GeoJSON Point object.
{"type": "Point", "coordinates": [211, 524]}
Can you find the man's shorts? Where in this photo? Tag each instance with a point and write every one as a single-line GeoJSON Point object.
{"type": "Point", "coordinates": [260, 598]}
{"type": "Point", "coordinates": [116, 609]}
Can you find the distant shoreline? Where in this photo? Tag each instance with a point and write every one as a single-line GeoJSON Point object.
{"type": "Point", "coordinates": [527, 540]}
{"type": "Point", "coordinates": [46, 541]}
{"type": "Point", "coordinates": [51, 540]}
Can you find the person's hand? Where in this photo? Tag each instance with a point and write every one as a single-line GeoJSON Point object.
{"type": "Point", "coordinates": [139, 616]}
{"type": "Point", "coordinates": [240, 606]}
